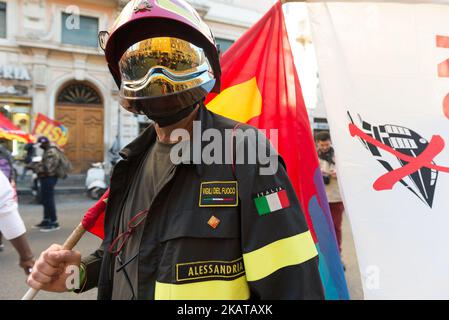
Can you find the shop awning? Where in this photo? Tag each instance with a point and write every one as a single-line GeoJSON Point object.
{"type": "Point", "coordinates": [9, 131]}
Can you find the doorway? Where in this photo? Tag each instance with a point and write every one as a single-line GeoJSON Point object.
{"type": "Point", "coordinates": [80, 109]}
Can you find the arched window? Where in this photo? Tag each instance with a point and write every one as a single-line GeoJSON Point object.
{"type": "Point", "coordinates": [79, 93]}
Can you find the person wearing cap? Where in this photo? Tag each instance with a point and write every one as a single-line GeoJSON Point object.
{"type": "Point", "coordinates": [11, 224]}
{"type": "Point", "coordinates": [47, 174]}
{"type": "Point", "coordinates": [190, 229]}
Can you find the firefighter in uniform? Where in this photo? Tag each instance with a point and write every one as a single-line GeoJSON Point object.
{"type": "Point", "coordinates": [188, 230]}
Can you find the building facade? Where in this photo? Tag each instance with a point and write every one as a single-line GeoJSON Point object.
{"type": "Point", "coordinates": [53, 46]}
{"type": "Point", "coordinates": [51, 63]}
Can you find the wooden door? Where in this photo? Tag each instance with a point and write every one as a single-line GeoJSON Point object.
{"type": "Point", "coordinates": [86, 131]}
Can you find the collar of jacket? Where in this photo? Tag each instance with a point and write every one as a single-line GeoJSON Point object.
{"type": "Point", "coordinates": [136, 148]}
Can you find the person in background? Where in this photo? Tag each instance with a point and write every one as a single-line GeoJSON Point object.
{"type": "Point", "coordinates": [11, 224]}
{"type": "Point", "coordinates": [326, 156]}
{"type": "Point", "coordinates": [6, 167]}
{"type": "Point", "coordinates": [30, 153]}
{"type": "Point", "coordinates": [47, 173]}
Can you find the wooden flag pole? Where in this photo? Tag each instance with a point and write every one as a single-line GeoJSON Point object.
{"type": "Point", "coordinates": [69, 244]}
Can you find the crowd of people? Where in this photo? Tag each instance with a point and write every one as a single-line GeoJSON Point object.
{"type": "Point", "coordinates": [240, 226]}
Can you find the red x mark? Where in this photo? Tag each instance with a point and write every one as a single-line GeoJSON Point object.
{"type": "Point", "coordinates": [424, 160]}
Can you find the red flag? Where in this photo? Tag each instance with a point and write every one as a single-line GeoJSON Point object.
{"type": "Point", "coordinates": [52, 129]}
{"type": "Point", "coordinates": [260, 86]}
{"type": "Point", "coordinates": [93, 220]}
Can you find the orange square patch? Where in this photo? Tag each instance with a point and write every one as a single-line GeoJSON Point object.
{"type": "Point", "coordinates": [214, 222]}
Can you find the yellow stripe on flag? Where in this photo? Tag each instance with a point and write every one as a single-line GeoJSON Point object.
{"type": "Point", "coordinates": [8, 136]}
{"type": "Point", "coordinates": [237, 289]}
{"type": "Point", "coordinates": [241, 102]}
{"type": "Point", "coordinates": [287, 252]}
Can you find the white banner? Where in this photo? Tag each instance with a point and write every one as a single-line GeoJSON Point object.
{"type": "Point", "coordinates": [384, 73]}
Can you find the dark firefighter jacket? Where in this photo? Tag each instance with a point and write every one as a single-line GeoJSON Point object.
{"type": "Point", "coordinates": [216, 231]}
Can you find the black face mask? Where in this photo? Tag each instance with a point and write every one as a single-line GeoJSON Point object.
{"type": "Point", "coordinates": [172, 119]}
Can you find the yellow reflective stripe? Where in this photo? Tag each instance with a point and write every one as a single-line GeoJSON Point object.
{"type": "Point", "coordinates": [208, 290]}
{"type": "Point", "coordinates": [291, 251]}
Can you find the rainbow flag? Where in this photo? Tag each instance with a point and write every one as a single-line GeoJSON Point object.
{"type": "Point", "coordinates": [260, 80]}
{"type": "Point", "coordinates": [9, 131]}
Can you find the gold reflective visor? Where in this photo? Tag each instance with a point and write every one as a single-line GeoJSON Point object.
{"type": "Point", "coordinates": [174, 56]}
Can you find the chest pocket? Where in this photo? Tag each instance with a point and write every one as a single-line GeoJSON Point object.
{"type": "Point", "coordinates": [199, 223]}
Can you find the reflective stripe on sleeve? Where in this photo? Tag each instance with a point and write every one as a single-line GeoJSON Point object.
{"type": "Point", "coordinates": [287, 252]}
{"type": "Point", "coordinates": [204, 290]}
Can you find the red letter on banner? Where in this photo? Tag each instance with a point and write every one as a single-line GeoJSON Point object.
{"type": "Point", "coordinates": [443, 67]}
{"type": "Point", "coordinates": [443, 70]}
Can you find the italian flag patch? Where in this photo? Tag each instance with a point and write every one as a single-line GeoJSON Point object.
{"type": "Point", "coordinates": [272, 202]}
